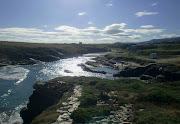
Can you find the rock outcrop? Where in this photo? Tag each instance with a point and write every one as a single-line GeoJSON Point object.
{"type": "Point", "coordinates": [45, 94]}
{"type": "Point", "coordinates": [151, 71]}
{"type": "Point", "coordinates": [90, 68]}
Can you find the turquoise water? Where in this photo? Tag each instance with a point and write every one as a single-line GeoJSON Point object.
{"type": "Point", "coordinates": [16, 82]}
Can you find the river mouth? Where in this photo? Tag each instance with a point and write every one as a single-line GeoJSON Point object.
{"type": "Point", "coordinates": [16, 82]}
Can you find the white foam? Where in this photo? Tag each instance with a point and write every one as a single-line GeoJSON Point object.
{"type": "Point", "coordinates": [7, 94]}
{"type": "Point", "coordinates": [13, 73]}
{"type": "Point", "coordinates": [14, 117]}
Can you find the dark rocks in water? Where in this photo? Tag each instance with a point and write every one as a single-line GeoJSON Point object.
{"type": "Point", "coordinates": [68, 71]}
{"type": "Point", "coordinates": [158, 72]}
{"type": "Point", "coordinates": [134, 72]}
{"type": "Point", "coordinates": [90, 69]}
{"type": "Point", "coordinates": [45, 94]}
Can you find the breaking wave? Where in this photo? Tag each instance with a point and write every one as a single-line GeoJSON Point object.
{"type": "Point", "coordinates": [13, 73]}
{"type": "Point", "coordinates": [14, 117]}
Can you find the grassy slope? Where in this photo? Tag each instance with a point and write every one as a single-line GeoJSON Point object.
{"type": "Point", "coordinates": [156, 103]}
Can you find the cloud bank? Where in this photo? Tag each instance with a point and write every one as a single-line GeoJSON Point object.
{"type": "Point", "coordinates": [68, 34]}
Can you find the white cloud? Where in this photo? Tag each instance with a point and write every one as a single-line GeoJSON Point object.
{"type": "Point", "coordinates": [114, 28]}
{"type": "Point", "coordinates": [90, 23]}
{"type": "Point", "coordinates": [91, 30]}
{"type": "Point", "coordinates": [109, 4]}
{"type": "Point", "coordinates": [147, 26]}
{"type": "Point", "coordinates": [68, 29]}
{"type": "Point", "coordinates": [145, 31]}
{"type": "Point", "coordinates": [170, 35]}
{"type": "Point", "coordinates": [140, 14]}
{"type": "Point", "coordinates": [106, 39]}
{"type": "Point", "coordinates": [154, 4]}
{"type": "Point", "coordinates": [149, 31]}
{"type": "Point", "coordinates": [82, 13]}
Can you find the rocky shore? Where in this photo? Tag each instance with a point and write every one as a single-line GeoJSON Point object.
{"type": "Point", "coordinates": [90, 68]}
{"type": "Point", "coordinates": [151, 72]}
{"type": "Point", "coordinates": [128, 68]}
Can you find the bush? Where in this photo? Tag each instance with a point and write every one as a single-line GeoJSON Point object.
{"type": "Point", "coordinates": [83, 115]}
{"type": "Point", "coordinates": [103, 96]}
{"type": "Point", "coordinates": [89, 100]}
{"type": "Point", "coordinates": [89, 97]}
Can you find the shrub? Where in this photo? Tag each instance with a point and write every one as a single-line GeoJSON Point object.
{"type": "Point", "coordinates": [103, 96]}
{"type": "Point", "coordinates": [89, 100]}
{"type": "Point", "coordinates": [83, 115]}
{"type": "Point", "coordinates": [159, 96]}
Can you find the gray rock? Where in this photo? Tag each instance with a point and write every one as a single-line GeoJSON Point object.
{"type": "Point", "coordinates": [146, 77]}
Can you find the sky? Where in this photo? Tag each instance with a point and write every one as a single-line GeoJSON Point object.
{"type": "Point", "coordinates": [88, 21]}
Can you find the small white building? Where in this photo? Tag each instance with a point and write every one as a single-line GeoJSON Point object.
{"type": "Point", "coordinates": [153, 55]}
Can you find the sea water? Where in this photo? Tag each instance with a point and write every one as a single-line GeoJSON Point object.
{"type": "Point", "coordinates": [16, 82]}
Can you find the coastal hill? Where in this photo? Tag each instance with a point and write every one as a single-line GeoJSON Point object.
{"type": "Point", "coordinates": [14, 53]}
{"type": "Point", "coordinates": [160, 40]}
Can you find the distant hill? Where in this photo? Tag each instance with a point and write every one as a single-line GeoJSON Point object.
{"type": "Point", "coordinates": [160, 40]}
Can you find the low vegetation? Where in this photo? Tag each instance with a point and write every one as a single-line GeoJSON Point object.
{"type": "Point", "coordinates": [152, 103]}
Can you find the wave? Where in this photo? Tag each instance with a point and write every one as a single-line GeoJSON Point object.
{"type": "Point", "coordinates": [14, 118]}
{"type": "Point", "coordinates": [13, 73]}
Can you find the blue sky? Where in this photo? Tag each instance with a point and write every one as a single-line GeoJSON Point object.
{"type": "Point", "coordinates": [88, 21]}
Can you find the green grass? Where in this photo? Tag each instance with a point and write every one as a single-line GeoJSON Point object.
{"type": "Point", "coordinates": [160, 96]}
{"type": "Point", "coordinates": [156, 116]}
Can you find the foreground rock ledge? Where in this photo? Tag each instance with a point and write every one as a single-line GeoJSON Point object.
{"type": "Point", "coordinates": [45, 94]}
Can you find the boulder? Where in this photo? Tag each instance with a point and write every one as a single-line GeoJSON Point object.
{"type": "Point", "coordinates": [68, 71]}
{"type": "Point", "coordinates": [146, 77]}
{"type": "Point", "coordinates": [160, 78]}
